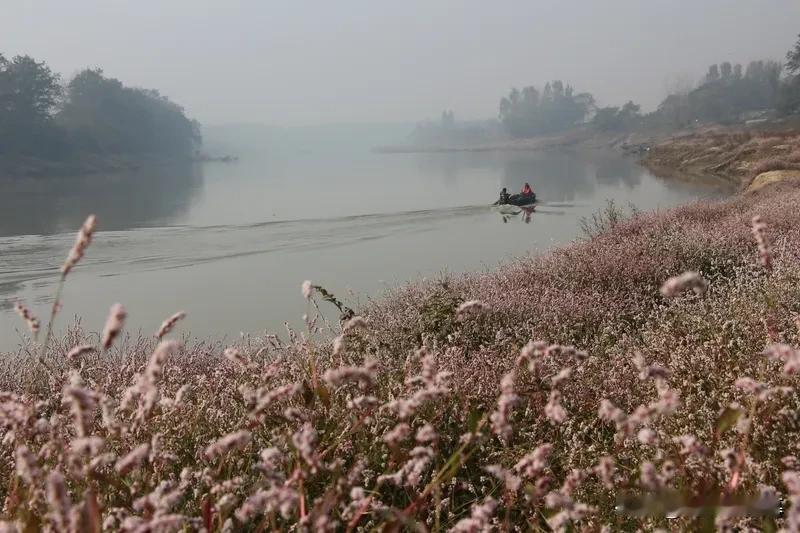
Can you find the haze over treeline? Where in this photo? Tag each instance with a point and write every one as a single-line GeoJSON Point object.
{"type": "Point", "coordinates": [356, 61]}
{"type": "Point", "coordinates": [43, 116]}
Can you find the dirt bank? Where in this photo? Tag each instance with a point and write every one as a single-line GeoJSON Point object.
{"type": "Point", "coordinates": [738, 155]}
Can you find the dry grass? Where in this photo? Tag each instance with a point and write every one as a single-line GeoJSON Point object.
{"type": "Point", "coordinates": [772, 163]}
{"type": "Point", "coordinates": [738, 155]}
{"type": "Point", "coordinates": [437, 410]}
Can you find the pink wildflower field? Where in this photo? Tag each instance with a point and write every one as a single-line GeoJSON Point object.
{"type": "Point", "coordinates": [643, 378]}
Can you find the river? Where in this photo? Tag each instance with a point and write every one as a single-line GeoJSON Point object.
{"type": "Point", "coordinates": [231, 243]}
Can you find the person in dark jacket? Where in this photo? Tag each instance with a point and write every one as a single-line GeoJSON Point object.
{"type": "Point", "coordinates": [504, 196]}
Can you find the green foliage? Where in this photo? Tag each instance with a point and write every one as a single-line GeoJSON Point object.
{"type": "Point", "coordinates": [615, 118]}
{"type": "Point", "coordinates": [555, 109]}
{"type": "Point", "coordinates": [789, 96]}
{"type": "Point", "coordinates": [93, 114]}
{"type": "Point", "coordinates": [438, 312]}
{"type": "Point", "coordinates": [726, 94]}
{"type": "Point", "coordinates": [102, 115]}
{"type": "Point", "coordinates": [793, 58]}
{"type": "Point", "coordinates": [29, 93]}
{"type": "Point", "coordinates": [605, 219]}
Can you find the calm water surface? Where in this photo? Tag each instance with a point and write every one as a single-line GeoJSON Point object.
{"type": "Point", "coordinates": [231, 243]}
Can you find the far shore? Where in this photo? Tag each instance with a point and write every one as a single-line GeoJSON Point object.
{"type": "Point", "coordinates": [580, 138]}
{"type": "Point", "coordinates": [739, 153]}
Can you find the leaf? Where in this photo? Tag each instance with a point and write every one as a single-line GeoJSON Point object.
{"type": "Point", "coordinates": [727, 420]}
{"type": "Point", "coordinates": [324, 395]}
{"type": "Point", "coordinates": [93, 515]}
{"type": "Point", "coordinates": [768, 525]}
{"type": "Point", "coordinates": [475, 416]}
{"type": "Point", "coordinates": [207, 513]}
{"type": "Point", "coordinates": [706, 521]}
{"type": "Point", "coordinates": [308, 394]}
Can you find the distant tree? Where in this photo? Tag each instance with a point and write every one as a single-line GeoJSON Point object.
{"type": "Point", "coordinates": [789, 97]}
{"type": "Point", "coordinates": [713, 74]}
{"type": "Point", "coordinates": [793, 58]}
{"type": "Point", "coordinates": [675, 110]}
{"type": "Point", "coordinates": [606, 119]}
{"type": "Point", "coordinates": [29, 94]}
{"type": "Point", "coordinates": [630, 110]}
{"type": "Point", "coordinates": [95, 114]}
{"type": "Point", "coordinates": [31, 89]}
{"type": "Point", "coordinates": [724, 97]}
{"type": "Point", "coordinates": [557, 107]}
{"type": "Point", "coordinates": [105, 116]}
{"type": "Point", "coordinates": [448, 119]}
{"type": "Point", "coordinates": [615, 118]}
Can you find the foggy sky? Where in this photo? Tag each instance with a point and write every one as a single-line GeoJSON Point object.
{"type": "Point", "coordinates": [304, 62]}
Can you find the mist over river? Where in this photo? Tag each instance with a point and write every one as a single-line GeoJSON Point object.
{"type": "Point", "coordinates": [232, 243]}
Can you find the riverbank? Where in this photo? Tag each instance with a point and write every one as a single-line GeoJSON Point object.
{"type": "Point", "coordinates": [738, 154]}
{"type": "Point", "coordinates": [34, 167]}
{"type": "Point", "coordinates": [733, 153]}
{"type": "Point", "coordinates": [359, 428]}
{"type": "Point", "coordinates": [585, 138]}
{"type": "Point", "coordinates": [91, 164]}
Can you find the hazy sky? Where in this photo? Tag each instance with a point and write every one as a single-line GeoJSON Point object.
{"type": "Point", "coordinates": [300, 62]}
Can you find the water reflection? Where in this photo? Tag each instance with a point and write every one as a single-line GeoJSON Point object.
{"type": "Point", "coordinates": [523, 215]}
{"type": "Point", "coordinates": [555, 176]}
{"type": "Point", "coordinates": [148, 196]}
{"type": "Point", "coordinates": [612, 170]}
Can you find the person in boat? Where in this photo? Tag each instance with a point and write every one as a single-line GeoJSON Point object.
{"type": "Point", "coordinates": [504, 196]}
{"type": "Point", "coordinates": [527, 190]}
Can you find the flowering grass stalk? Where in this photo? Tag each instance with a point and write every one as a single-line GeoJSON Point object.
{"type": "Point", "coordinates": [574, 397]}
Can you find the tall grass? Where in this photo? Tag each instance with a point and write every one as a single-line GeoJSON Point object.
{"type": "Point", "coordinates": [593, 388]}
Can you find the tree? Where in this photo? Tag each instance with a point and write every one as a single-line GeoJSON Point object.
{"type": "Point", "coordinates": [606, 119]}
{"type": "Point", "coordinates": [789, 97]}
{"type": "Point", "coordinates": [529, 112]}
{"type": "Point", "coordinates": [104, 116]}
{"type": "Point", "coordinates": [96, 114]}
{"type": "Point", "coordinates": [29, 94]}
{"type": "Point", "coordinates": [31, 89]}
{"type": "Point", "coordinates": [793, 58]}
{"type": "Point", "coordinates": [615, 118]}
{"type": "Point", "coordinates": [726, 70]}
{"type": "Point", "coordinates": [737, 71]}
{"type": "Point", "coordinates": [713, 74]}
{"type": "Point", "coordinates": [448, 119]}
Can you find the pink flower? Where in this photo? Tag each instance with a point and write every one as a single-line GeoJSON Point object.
{"type": "Point", "coordinates": [228, 443]}
{"type": "Point", "coordinates": [470, 308]}
{"type": "Point", "coordinates": [169, 323]}
{"type": "Point", "coordinates": [759, 229]}
{"type": "Point", "coordinates": [114, 323]}
{"type": "Point", "coordinates": [307, 289]}
{"type": "Point", "coordinates": [688, 280]}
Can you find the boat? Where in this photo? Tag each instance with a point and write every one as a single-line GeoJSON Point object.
{"type": "Point", "coordinates": [519, 200]}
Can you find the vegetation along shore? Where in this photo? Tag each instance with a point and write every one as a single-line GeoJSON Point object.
{"type": "Point", "coordinates": [556, 390]}
{"type": "Point", "coordinates": [643, 377]}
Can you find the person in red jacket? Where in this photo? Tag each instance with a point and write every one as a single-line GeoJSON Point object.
{"type": "Point", "coordinates": [526, 190]}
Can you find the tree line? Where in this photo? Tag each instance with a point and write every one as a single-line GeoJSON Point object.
{"type": "Point", "coordinates": [43, 117]}
{"type": "Point", "coordinates": [728, 93]}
